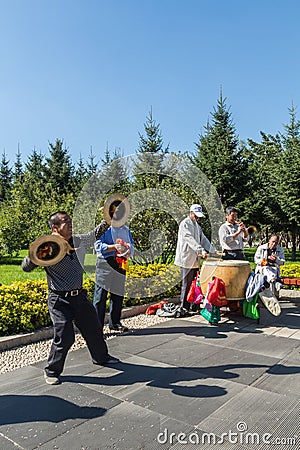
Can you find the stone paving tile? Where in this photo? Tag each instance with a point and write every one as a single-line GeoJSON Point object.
{"type": "Point", "coordinates": [31, 420]}
{"type": "Point", "coordinates": [8, 444]}
{"type": "Point", "coordinates": [183, 376]}
{"type": "Point", "coordinates": [287, 332]}
{"type": "Point", "coordinates": [257, 411]}
{"type": "Point", "coordinates": [27, 378]}
{"type": "Point", "coordinates": [268, 345]}
{"type": "Point", "coordinates": [139, 429]}
{"type": "Point", "coordinates": [284, 377]}
{"type": "Point", "coordinates": [184, 396]}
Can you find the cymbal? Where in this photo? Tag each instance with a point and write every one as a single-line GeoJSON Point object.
{"type": "Point", "coordinates": [48, 250]}
{"type": "Point", "coordinates": [116, 210]}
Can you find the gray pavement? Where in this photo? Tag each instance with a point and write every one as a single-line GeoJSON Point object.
{"type": "Point", "coordinates": [183, 384]}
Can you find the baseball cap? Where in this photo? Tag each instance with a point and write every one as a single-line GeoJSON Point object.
{"type": "Point", "coordinates": [197, 210]}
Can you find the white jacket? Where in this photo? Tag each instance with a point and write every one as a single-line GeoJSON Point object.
{"type": "Point", "coordinates": [191, 241]}
{"type": "Point", "coordinates": [262, 253]}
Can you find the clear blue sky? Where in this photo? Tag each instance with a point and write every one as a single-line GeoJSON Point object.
{"type": "Point", "coordinates": [88, 71]}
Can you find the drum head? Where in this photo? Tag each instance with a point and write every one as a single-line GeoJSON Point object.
{"type": "Point", "coordinates": [226, 262]}
{"type": "Point", "coordinates": [116, 210]}
{"type": "Point", "coordinates": [47, 250]}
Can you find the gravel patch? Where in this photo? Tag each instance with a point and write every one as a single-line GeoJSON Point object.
{"type": "Point", "coordinates": [26, 355]}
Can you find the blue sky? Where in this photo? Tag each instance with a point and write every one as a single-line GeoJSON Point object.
{"type": "Point", "coordinates": [88, 71]}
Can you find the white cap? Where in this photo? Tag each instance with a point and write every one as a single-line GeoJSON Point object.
{"type": "Point", "coordinates": [197, 210]}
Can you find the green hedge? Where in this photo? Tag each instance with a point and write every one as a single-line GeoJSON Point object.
{"type": "Point", "coordinates": [23, 305]}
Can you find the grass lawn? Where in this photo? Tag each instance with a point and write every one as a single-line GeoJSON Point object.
{"type": "Point", "coordinates": [11, 271]}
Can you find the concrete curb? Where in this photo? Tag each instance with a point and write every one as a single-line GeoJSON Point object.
{"type": "Point", "coordinates": [289, 294]}
{"type": "Point", "coordinates": [9, 342]}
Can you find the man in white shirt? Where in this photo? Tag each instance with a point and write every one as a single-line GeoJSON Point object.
{"type": "Point", "coordinates": [192, 244]}
{"type": "Point", "coordinates": [233, 235]}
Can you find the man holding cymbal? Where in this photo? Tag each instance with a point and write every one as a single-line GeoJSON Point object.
{"type": "Point", "coordinates": [67, 300]}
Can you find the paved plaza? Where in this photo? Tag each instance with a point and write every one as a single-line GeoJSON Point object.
{"type": "Point", "coordinates": [182, 384]}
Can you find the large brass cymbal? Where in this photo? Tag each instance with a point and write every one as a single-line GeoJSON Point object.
{"type": "Point", "coordinates": [116, 210]}
{"type": "Point", "coordinates": [48, 250]}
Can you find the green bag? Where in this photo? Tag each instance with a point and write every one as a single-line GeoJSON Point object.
{"type": "Point", "coordinates": [250, 309]}
{"type": "Point", "coordinates": [212, 317]}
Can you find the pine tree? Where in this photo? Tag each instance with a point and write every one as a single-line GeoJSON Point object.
{"type": "Point", "coordinates": [148, 168]}
{"type": "Point", "coordinates": [59, 170]}
{"type": "Point", "coordinates": [114, 171]}
{"type": "Point", "coordinates": [219, 157]}
{"type": "Point", "coordinates": [5, 178]}
{"type": "Point", "coordinates": [18, 167]}
{"type": "Point", "coordinates": [288, 175]}
{"type": "Point", "coordinates": [262, 205]}
{"type": "Point", "coordinates": [81, 175]}
{"type": "Point", "coordinates": [35, 165]}
{"type": "Point", "coordinates": [92, 166]}
{"type": "Point", "coordinates": [149, 174]}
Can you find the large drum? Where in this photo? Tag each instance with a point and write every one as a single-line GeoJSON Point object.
{"type": "Point", "coordinates": [234, 274]}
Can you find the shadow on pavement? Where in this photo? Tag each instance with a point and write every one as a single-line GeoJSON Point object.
{"type": "Point", "coordinates": [43, 408]}
{"type": "Point", "coordinates": [171, 378]}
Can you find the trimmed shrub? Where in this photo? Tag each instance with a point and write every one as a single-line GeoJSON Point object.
{"type": "Point", "coordinates": [23, 307]}
{"type": "Point", "coordinates": [166, 283]}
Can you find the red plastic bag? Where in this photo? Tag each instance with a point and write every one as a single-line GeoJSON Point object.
{"type": "Point", "coordinates": [153, 308]}
{"type": "Point", "coordinates": [195, 294]}
{"type": "Point", "coordinates": [216, 292]}
{"type": "Point", "coordinates": [191, 294]}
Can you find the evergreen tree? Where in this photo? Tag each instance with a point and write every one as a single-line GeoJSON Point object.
{"type": "Point", "coordinates": [18, 166]}
{"type": "Point", "coordinates": [148, 168]}
{"type": "Point", "coordinates": [59, 170]}
{"type": "Point", "coordinates": [92, 166]}
{"type": "Point", "coordinates": [152, 228]}
{"type": "Point", "coordinates": [113, 174]}
{"type": "Point", "coordinates": [261, 204]}
{"type": "Point", "coordinates": [81, 175]}
{"type": "Point", "coordinates": [5, 178]}
{"type": "Point", "coordinates": [219, 157]}
{"type": "Point", "coordinates": [35, 165]}
{"type": "Point", "coordinates": [288, 176]}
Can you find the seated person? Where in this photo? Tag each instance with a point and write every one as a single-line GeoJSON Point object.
{"type": "Point", "coordinates": [269, 257]}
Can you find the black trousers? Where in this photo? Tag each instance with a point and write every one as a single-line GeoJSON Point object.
{"type": "Point", "coordinates": [187, 276]}
{"type": "Point", "coordinates": [63, 312]}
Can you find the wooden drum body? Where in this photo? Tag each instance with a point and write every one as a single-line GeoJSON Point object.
{"type": "Point", "coordinates": [234, 274]}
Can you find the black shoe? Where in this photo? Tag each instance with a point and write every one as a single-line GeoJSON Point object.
{"type": "Point", "coordinates": [111, 360]}
{"type": "Point", "coordinates": [51, 380]}
{"type": "Point", "coordinates": [118, 327]}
